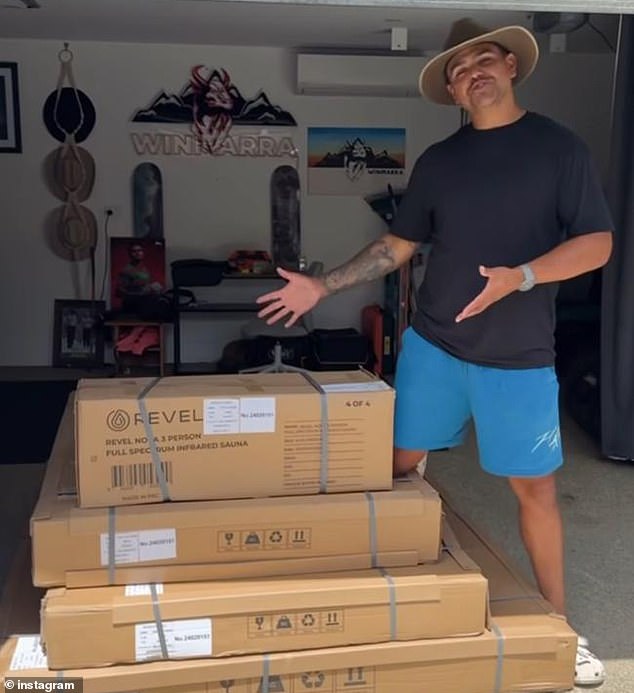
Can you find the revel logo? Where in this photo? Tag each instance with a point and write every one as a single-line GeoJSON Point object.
{"type": "Point", "coordinates": [118, 420]}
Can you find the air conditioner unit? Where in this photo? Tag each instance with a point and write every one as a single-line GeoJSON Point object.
{"type": "Point", "coordinates": [358, 75]}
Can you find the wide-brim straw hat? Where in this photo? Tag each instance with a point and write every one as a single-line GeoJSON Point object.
{"type": "Point", "coordinates": [70, 170]}
{"type": "Point", "coordinates": [464, 33]}
{"type": "Point", "coordinates": [71, 232]}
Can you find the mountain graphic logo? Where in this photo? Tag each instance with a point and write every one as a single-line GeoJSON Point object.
{"type": "Point", "coordinates": [356, 156]}
{"type": "Point", "coordinates": [219, 95]}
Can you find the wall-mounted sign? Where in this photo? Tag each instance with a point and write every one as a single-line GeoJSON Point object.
{"type": "Point", "coordinates": [355, 161]}
{"type": "Point", "coordinates": [212, 105]}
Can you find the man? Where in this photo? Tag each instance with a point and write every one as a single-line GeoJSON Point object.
{"type": "Point", "coordinates": [134, 281]}
{"type": "Point", "coordinates": [512, 205]}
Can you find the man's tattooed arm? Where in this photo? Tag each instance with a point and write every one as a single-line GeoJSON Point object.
{"type": "Point", "coordinates": [376, 260]}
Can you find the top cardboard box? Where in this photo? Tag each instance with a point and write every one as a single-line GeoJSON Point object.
{"type": "Point", "coordinates": [232, 436]}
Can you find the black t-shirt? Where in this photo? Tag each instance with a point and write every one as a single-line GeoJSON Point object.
{"type": "Point", "coordinates": [497, 197]}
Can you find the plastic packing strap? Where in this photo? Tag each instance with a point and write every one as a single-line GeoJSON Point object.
{"type": "Point", "coordinates": [156, 460]}
{"type": "Point", "coordinates": [372, 528]}
{"type": "Point", "coordinates": [392, 595]}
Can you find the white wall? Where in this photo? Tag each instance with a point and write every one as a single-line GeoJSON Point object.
{"type": "Point", "coordinates": [213, 205]}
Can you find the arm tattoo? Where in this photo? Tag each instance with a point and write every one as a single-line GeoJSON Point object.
{"type": "Point", "coordinates": [374, 261]}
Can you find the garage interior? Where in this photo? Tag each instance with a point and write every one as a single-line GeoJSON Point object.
{"type": "Point", "coordinates": [328, 64]}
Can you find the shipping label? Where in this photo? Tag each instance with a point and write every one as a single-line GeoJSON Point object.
{"type": "Point", "coordinates": [142, 590]}
{"type": "Point", "coordinates": [372, 386]}
{"type": "Point", "coordinates": [28, 654]}
{"type": "Point", "coordinates": [137, 547]}
{"type": "Point", "coordinates": [183, 638]}
{"type": "Point", "coordinates": [239, 415]}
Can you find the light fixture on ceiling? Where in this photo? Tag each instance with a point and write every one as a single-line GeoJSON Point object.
{"type": "Point", "coordinates": [558, 22]}
{"type": "Point", "coordinates": [557, 25]}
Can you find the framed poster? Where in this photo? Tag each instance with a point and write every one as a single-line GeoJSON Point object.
{"type": "Point", "coordinates": [355, 161]}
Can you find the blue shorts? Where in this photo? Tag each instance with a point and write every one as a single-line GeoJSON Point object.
{"type": "Point", "coordinates": [515, 411]}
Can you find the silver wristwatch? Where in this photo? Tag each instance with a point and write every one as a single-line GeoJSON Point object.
{"type": "Point", "coordinates": [529, 278]}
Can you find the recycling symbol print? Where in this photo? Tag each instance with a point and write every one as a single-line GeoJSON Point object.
{"type": "Point", "coordinates": [308, 620]}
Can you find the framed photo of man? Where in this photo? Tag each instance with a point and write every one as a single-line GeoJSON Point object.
{"type": "Point", "coordinates": [78, 333]}
{"type": "Point", "coordinates": [137, 269]}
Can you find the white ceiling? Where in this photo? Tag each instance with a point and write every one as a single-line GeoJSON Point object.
{"type": "Point", "coordinates": [344, 25]}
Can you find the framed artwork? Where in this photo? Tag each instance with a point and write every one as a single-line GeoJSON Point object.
{"type": "Point", "coordinates": [10, 134]}
{"type": "Point", "coordinates": [137, 269]}
{"type": "Point", "coordinates": [355, 160]}
{"type": "Point", "coordinates": [78, 333]}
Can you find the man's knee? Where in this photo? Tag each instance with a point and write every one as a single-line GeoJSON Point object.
{"type": "Point", "coordinates": [541, 491]}
{"type": "Point", "coordinates": [407, 460]}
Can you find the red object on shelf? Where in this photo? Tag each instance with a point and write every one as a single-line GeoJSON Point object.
{"type": "Point", "coordinates": [250, 261]}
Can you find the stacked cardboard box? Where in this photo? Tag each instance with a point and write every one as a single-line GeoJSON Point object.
{"type": "Point", "coordinates": [232, 436]}
{"type": "Point", "coordinates": [232, 590]}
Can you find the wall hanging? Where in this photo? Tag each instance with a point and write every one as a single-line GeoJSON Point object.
{"type": "Point", "coordinates": [212, 105]}
{"type": "Point", "coordinates": [69, 171]}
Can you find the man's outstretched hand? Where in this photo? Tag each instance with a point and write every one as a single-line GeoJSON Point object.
{"type": "Point", "coordinates": [501, 281]}
{"type": "Point", "coordinates": [300, 294]}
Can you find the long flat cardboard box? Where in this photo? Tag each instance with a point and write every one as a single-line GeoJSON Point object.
{"type": "Point", "coordinates": [232, 436]}
{"type": "Point", "coordinates": [210, 540]}
{"type": "Point", "coordinates": [531, 653]}
{"type": "Point", "coordinates": [118, 625]}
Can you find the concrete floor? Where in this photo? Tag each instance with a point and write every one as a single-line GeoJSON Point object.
{"type": "Point", "coordinates": [597, 499]}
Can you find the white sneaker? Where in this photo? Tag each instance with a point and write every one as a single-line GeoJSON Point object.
{"type": "Point", "coordinates": [421, 466]}
{"type": "Point", "coordinates": [589, 671]}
